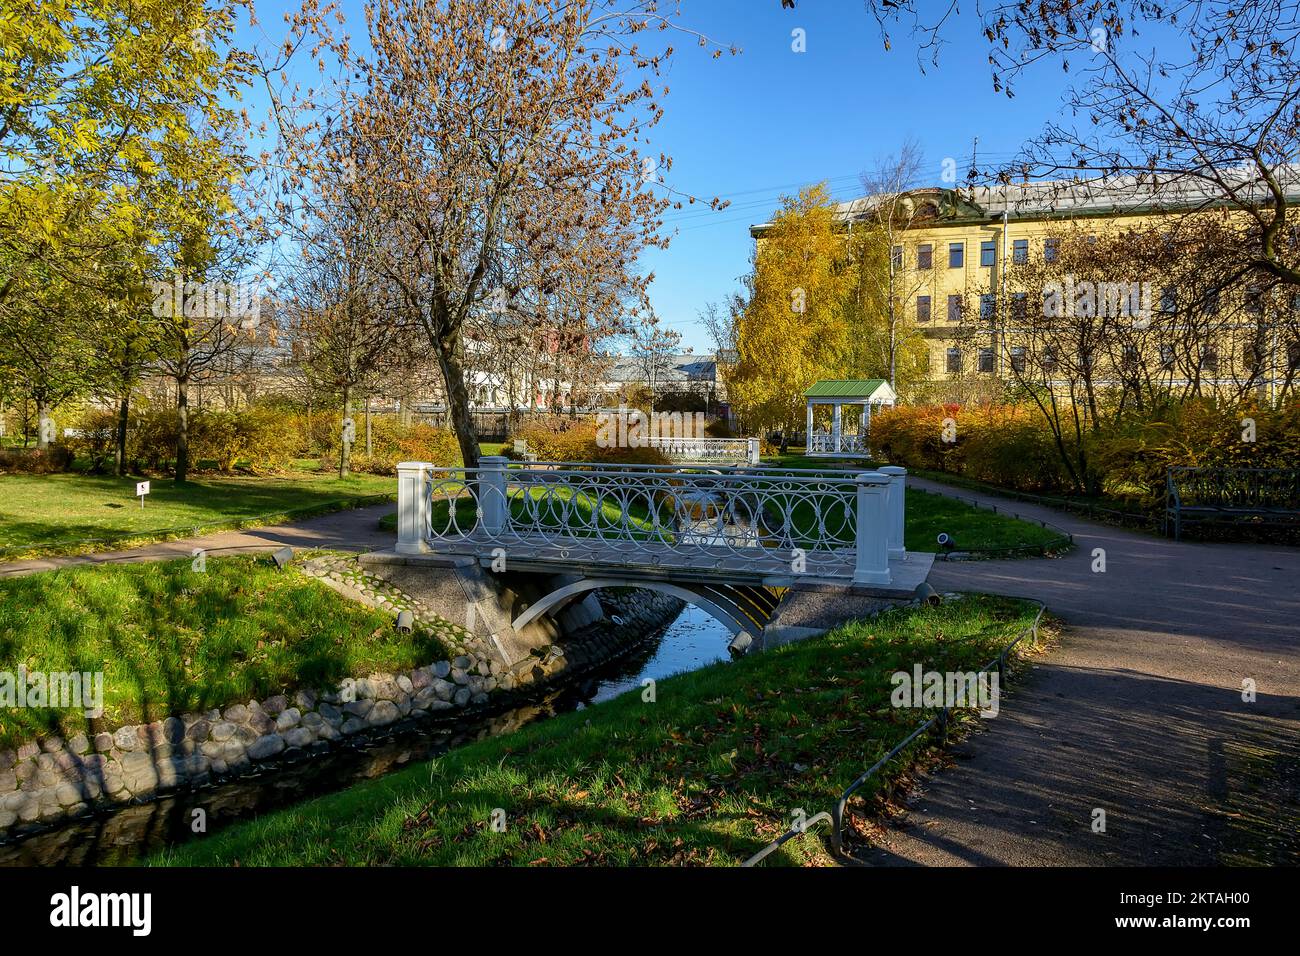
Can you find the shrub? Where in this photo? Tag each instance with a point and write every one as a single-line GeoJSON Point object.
{"type": "Point", "coordinates": [36, 461]}
{"type": "Point", "coordinates": [1134, 454]}
{"type": "Point", "coordinates": [1013, 446]}
{"type": "Point", "coordinates": [391, 443]}
{"type": "Point", "coordinates": [151, 438]}
{"type": "Point", "coordinates": [96, 438]}
{"type": "Point", "coordinates": [556, 438]}
{"type": "Point", "coordinates": [1008, 445]}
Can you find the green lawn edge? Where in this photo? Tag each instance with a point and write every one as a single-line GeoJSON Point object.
{"type": "Point", "coordinates": [170, 639]}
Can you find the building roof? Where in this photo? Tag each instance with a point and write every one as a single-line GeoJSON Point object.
{"type": "Point", "coordinates": [1103, 195]}
{"type": "Point", "coordinates": [684, 367]}
{"type": "Point", "coordinates": [849, 388]}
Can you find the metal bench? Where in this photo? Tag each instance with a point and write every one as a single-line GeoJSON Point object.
{"type": "Point", "coordinates": [1267, 496]}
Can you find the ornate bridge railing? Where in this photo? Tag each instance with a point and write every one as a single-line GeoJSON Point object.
{"type": "Point", "coordinates": [774, 525]}
{"type": "Point", "coordinates": [708, 450]}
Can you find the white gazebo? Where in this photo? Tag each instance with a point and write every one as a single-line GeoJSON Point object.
{"type": "Point", "coordinates": [868, 393]}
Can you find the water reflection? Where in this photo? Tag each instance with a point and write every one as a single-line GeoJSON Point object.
{"type": "Point", "coordinates": [124, 835]}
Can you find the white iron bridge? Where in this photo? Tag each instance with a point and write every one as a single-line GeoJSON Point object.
{"type": "Point", "coordinates": [728, 538]}
{"type": "Point", "coordinates": [754, 525]}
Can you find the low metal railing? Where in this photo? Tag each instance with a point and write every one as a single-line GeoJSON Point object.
{"type": "Point", "coordinates": [825, 443]}
{"type": "Point", "coordinates": [937, 725]}
{"type": "Point", "coordinates": [823, 525]}
{"type": "Point", "coordinates": [723, 450]}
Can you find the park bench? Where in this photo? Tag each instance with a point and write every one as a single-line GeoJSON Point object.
{"type": "Point", "coordinates": [1260, 496]}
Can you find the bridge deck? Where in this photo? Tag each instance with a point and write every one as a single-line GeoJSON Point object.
{"type": "Point", "coordinates": [647, 560]}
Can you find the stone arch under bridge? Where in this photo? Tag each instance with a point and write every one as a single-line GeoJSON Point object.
{"type": "Point", "coordinates": [746, 608]}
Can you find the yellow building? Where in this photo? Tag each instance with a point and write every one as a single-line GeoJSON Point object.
{"type": "Point", "coordinates": [956, 255]}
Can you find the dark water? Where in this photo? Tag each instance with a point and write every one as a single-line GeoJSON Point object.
{"type": "Point", "coordinates": [128, 834]}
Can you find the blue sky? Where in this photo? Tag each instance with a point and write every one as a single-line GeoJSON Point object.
{"type": "Point", "coordinates": [752, 127]}
{"type": "Point", "coordinates": [744, 127]}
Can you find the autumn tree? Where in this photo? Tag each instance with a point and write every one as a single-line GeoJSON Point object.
{"type": "Point", "coordinates": [502, 144]}
{"type": "Point", "coordinates": [343, 318]}
{"type": "Point", "coordinates": [794, 328]}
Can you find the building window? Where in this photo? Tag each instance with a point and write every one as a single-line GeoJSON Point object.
{"type": "Point", "coordinates": [986, 360]}
{"type": "Point", "coordinates": [1019, 306]}
{"type": "Point", "coordinates": [1129, 357]}
{"type": "Point", "coordinates": [1254, 300]}
{"type": "Point", "coordinates": [1168, 299]}
{"type": "Point", "coordinates": [1085, 357]}
{"type": "Point", "coordinates": [1049, 358]}
{"type": "Point", "coordinates": [1017, 359]}
{"type": "Point", "coordinates": [954, 308]}
{"type": "Point", "coordinates": [924, 256]}
{"type": "Point", "coordinates": [988, 252]}
{"type": "Point", "coordinates": [1212, 302]}
{"type": "Point", "coordinates": [988, 306]}
{"type": "Point", "coordinates": [1166, 356]}
{"type": "Point", "coordinates": [1209, 361]}
{"type": "Point", "coordinates": [897, 257]}
{"type": "Point", "coordinates": [1051, 246]}
{"type": "Point", "coordinates": [954, 360]}
{"type": "Point", "coordinates": [1293, 355]}
{"type": "Point", "coordinates": [1020, 251]}
{"type": "Point", "coordinates": [923, 308]}
{"type": "Point", "coordinates": [956, 255]}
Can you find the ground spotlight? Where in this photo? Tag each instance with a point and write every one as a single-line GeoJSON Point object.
{"type": "Point", "coordinates": [927, 595]}
{"type": "Point", "coordinates": [740, 644]}
{"type": "Point", "coordinates": [282, 558]}
{"type": "Point", "coordinates": [946, 542]}
{"type": "Point", "coordinates": [405, 621]}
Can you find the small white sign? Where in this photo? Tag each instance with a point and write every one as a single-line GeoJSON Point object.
{"type": "Point", "coordinates": [141, 489]}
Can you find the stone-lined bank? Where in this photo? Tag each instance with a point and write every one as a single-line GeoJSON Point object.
{"type": "Point", "coordinates": [45, 781]}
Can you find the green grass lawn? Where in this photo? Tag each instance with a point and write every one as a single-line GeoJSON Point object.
{"type": "Point", "coordinates": [705, 775]}
{"type": "Point", "coordinates": [971, 528]}
{"type": "Point", "coordinates": [170, 639]}
{"type": "Point", "coordinates": [50, 514]}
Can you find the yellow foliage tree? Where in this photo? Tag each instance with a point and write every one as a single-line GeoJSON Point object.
{"type": "Point", "coordinates": [793, 329]}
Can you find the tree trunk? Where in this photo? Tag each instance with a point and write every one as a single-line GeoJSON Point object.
{"type": "Point", "coordinates": [42, 430]}
{"type": "Point", "coordinates": [345, 446]}
{"type": "Point", "coordinates": [453, 377]}
{"type": "Point", "coordinates": [182, 429]}
{"type": "Point", "coordinates": [123, 415]}
{"type": "Point", "coordinates": [370, 447]}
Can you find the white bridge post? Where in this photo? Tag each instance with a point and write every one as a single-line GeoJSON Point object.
{"type": "Point", "coordinates": [872, 566]}
{"type": "Point", "coordinates": [755, 451]}
{"type": "Point", "coordinates": [412, 507]}
{"type": "Point", "coordinates": [896, 498]}
{"type": "Point", "coordinates": [492, 493]}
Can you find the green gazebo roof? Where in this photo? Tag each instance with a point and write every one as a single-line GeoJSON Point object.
{"type": "Point", "coordinates": [846, 388]}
